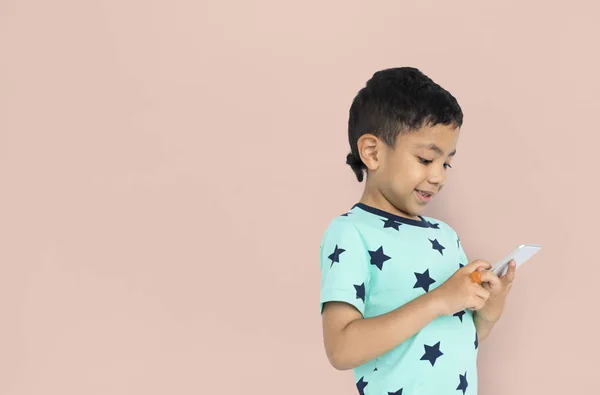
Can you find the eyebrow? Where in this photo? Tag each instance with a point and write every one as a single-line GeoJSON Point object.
{"type": "Point", "coordinates": [435, 148]}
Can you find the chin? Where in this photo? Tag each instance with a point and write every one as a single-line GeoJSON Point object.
{"type": "Point", "coordinates": [408, 209]}
{"type": "Point", "coordinates": [412, 213]}
{"type": "Point", "coordinates": [415, 212]}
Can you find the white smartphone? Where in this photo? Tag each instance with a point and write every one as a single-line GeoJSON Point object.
{"type": "Point", "coordinates": [520, 255]}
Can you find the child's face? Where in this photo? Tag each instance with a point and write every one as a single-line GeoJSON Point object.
{"type": "Point", "coordinates": [412, 172]}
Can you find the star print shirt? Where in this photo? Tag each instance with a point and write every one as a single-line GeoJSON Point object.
{"type": "Point", "coordinates": [377, 261]}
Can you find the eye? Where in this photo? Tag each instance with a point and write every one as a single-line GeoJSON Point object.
{"type": "Point", "coordinates": [447, 166]}
{"type": "Point", "coordinates": [424, 161]}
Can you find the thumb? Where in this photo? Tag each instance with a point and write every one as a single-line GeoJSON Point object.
{"type": "Point", "coordinates": [510, 273]}
{"type": "Point", "coordinates": [475, 265]}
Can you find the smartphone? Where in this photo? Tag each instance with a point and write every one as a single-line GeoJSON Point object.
{"type": "Point", "coordinates": [521, 254]}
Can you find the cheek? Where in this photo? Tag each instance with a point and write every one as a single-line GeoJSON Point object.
{"type": "Point", "coordinates": [390, 168]}
{"type": "Point", "coordinates": [413, 172]}
{"type": "Point", "coordinates": [407, 176]}
{"type": "Point", "coordinates": [402, 173]}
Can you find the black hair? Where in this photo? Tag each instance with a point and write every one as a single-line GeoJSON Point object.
{"type": "Point", "coordinates": [394, 101]}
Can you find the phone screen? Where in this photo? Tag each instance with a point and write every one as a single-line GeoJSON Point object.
{"type": "Point", "coordinates": [521, 255]}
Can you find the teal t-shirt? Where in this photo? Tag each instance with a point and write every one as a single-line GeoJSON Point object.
{"type": "Point", "coordinates": [378, 261]}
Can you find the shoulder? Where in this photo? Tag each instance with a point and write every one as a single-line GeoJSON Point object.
{"type": "Point", "coordinates": [353, 230]}
{"type": "Point", "coordinates": [343, 225]}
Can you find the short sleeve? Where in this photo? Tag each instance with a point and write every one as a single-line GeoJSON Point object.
{"type": "Point", "coordinates": [344, 265]}
{"type": "Point", "coordinates": [463, 260]}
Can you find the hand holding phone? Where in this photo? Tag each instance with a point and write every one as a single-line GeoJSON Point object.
{"type": "Point", "coordinates": [520, 255]}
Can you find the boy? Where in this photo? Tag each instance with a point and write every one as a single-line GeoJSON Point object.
{"type": "Point", "coordinates": [397, 300]}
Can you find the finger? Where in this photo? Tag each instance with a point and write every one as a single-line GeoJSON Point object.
{"type": "Point", "coordinates": [481, 305]}
{"type": "Point", "coordinates": [491, 278]}
{"type": "Point", "coordinates": [510, 273]}
{"type": "Point", "coordinates": [482, 293]}
{"type": "Point", "coordinates": [477, 305]}
{"type": "Point", "coordinates": [476, 264]}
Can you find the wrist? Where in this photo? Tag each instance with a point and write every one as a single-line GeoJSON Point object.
{"type": "Point", "coordinates": [483, 319]}
{"type": "Point", "coordinates": [483, 326]}
{"type": "Point", "coordinates": [437, 303]}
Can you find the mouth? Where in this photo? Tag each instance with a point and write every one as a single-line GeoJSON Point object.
{"type": "Point", "coordinates": [425, 196]}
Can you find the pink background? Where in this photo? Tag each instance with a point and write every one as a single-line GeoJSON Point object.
{"type": "Point", "coordinates": [168, 168]}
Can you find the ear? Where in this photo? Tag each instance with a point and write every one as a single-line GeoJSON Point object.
{"type": "Point", "coordinates": [368, 149]}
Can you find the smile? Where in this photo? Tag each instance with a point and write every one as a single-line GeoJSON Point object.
{"type": "Point", "coordinates": [424, 196]}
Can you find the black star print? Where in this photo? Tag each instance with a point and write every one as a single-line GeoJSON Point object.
{"type": "Point", "coordinates": [434, 226]}
{"type": "Point", "coordinates": [437, 246]}
{"type": "Point", "coordinates": [461, 265]}
{"type": "Point", "coordinates": [346, 214]}
{"type": "Point", "coordinates": [335, 256]}
{"type": "Point", "coordinates": [432, 353]}
{"type": "Point", "coordinates": [375, 369]}
{"type": "Point", "coordinates": [360, 291]}
{"type": "Point", "coordinates": [423, 280]}
{"type": "Point", "coordinates": [399, 392]}
{"type": "Point", "coordinates": [476, 341]}
{"type": "Point", "coordinates": [460, 315]}
{"type": "Point", "coordinates": [360, 385]}
{"type": "Point", "coordinates": [463, 383]}
{"type": "Point", "coordinates": [378, 258]}
{"type": "Point", "coordinates": [457, 242]}
{"type": "Point", "coordinates": [390, 223]}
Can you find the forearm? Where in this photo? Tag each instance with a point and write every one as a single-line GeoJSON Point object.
{"type": "Point", "coordinates": [365, 339]}
{"type": "Point", "coordinates": [483, 326]}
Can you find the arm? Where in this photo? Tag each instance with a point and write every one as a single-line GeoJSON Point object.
{"type": "Point", "coordinates": [483, 326]}
{"type": "Point", "coordinates": [499, 287]}
{"type": "Point", "coordinates": [351, 340]}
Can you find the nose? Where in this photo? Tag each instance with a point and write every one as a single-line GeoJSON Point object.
{"type": "Point", "coordinates": [437, 175]}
